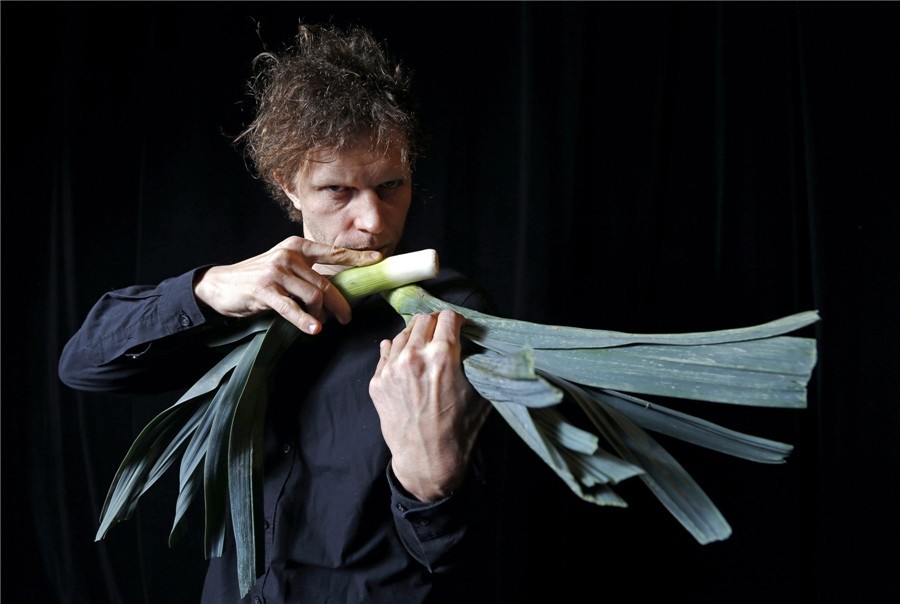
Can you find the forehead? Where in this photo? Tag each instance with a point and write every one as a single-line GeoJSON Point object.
{"type": "Point", "coordinates": [356, 162]}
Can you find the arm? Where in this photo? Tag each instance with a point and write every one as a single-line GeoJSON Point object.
{"type": "Point", "coordinates": [151, 338]}
{"type": "Point", "coordinates": [430, 419]}
{"type": "Point", "coordinates": [139, 339]}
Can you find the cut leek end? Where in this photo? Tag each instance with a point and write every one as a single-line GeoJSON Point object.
{"type": "Point", "coordinates": [392, 272]}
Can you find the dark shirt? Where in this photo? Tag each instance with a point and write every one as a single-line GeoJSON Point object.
{"type": "Point", "coordinates": [338, 526]}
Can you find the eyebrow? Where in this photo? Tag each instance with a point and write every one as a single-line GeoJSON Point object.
{"type": "Point", "coordinates": [340, 176]}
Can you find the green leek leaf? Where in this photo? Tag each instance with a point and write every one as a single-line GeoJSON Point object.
{"type": "Point", "coordinates": [752, 366]}
{"type": "Point", "coordinates": [665, 477]}
{"type": "Point", "coordinates": [412, 299]}
{"type": "Point", "coordinates": [215, 462]}
{"type": "Point", "coordinates": [245, 449]}
{"type": "Point", "coordinates": [241, 329]}
{"type": "Point", "coordinates": [519, 417]}
{"type": "Point", "coordinates": [509, 379]}
{"type": "Point", "coordinates": [700, 432]}
{"type": "Point", "coordinates": [747, 366]}
{"type": "Point", "coordinates": [190, 476]}
{"type": "Point", "coordinates": [136, 472]}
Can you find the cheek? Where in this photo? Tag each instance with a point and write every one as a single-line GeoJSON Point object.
{"type": "Point", "coordinates": [324, 227]}
{"type": "Point", "coordinates": [397, 215]}
{"type": "Point", "coordinates": [399, 208]}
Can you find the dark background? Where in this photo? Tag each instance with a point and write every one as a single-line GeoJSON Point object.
{"type": "Point", "coordinates": [646, 167]}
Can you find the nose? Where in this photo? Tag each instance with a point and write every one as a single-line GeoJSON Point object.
{"type": "Point", "coordinates": [369, 214]}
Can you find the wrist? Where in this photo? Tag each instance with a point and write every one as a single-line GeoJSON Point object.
{"type": "Point", "coordinates": [425, 488]}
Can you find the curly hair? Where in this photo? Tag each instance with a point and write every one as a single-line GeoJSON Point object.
{"type": "Point", "coordinates": [329, 92]}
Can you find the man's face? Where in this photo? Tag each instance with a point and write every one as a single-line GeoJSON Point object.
{"type": "Point", "coordinates": [358, 199]}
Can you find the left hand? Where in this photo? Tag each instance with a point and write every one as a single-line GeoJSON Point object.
{"type": "Point", "coordinates": [430, 413]}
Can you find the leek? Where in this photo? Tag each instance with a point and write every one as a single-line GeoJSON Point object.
{"type": "Point", "coordinates": [529, 372]}
{"type": "Point", "coordinates": [217, 425]}
{"type": "Point", "coordinates": [753, 366]}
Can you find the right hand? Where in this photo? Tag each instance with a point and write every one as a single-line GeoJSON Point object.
{"type": "Point", "coordinates": [282, 279]}
{"type": "Point", "coordinates": [430, 414]}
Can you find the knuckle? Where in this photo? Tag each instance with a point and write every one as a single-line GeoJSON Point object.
{"type": "Point", "coordinates": [280, 257]}
{"type": "Point", "coordinates": [314, 297]}
{"type": "Point", "coordinates": [410, 360]}
{"type": "Point", "coordinates": [321, 283]}
{"type": "Point", "coordinates": [285, 307]}
{"type": "Point", "coordinates": [269, 274]}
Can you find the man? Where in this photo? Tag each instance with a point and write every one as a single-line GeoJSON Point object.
{"type": "Point", "coordinates": [371, 492]}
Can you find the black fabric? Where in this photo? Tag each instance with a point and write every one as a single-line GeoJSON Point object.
{"type": "Point", "coordinates": [641, 166]}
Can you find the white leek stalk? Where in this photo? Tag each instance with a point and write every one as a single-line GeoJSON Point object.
{"type": "Point", "coordinates": [394, 271]}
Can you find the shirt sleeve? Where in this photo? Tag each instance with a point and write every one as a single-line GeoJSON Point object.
{"type": "Point", "coordinates": [430, 532]}
{"type": "Point", "coordinates": [140, 338]}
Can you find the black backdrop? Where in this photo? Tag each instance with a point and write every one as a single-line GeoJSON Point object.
{"type": "Point", "coordinates": [638, 166]}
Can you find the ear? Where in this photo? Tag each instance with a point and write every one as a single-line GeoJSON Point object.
{"type": "Point", "coordinates": [293, 197]}
{"type": "Point", "coordinates": [288, 188]}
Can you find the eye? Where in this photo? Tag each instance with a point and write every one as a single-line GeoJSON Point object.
{"type": "Point", "coordinates": [391, 184]}
{"type": "Point", "coordinates": [335, 195]}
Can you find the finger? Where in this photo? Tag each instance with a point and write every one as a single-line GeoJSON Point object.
{"type": "Point", "coordinates": [335, 302]}
{"type": "Point", "coordinates": [324, 253]}
{"type": "Point", "coordinates": [422, 329]}
{"type": "Point", "coordinates": [384, 351]}
{"type": "Point", "coordinates": [289, 308]}
{"type": "Point", "coordinates": [400, 340]}
{"type": "Point", "coordinates": [298, 280]}
{"type": "Point", "coordinates": [447, 326]}
{"type": "Point", "coordinates": [318, 255]}
{"type": "Point", "coordinates": [317, 294]}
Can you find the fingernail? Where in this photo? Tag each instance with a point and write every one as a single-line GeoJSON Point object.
{"type": "Point", "coordinates": [375, 255]}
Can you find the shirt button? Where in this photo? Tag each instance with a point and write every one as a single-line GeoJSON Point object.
{"type": "Point", "coordinates": [266, 524]}
{"type": "Point", "coordinates": [401, 507]}
{"type": "Point", "coordinates": [184, 320]}
{"type": "Point", "coordinates": [422, 522]}
{"type": "Point", "coordinates": [286, 448]}
{"type": "Point", "coordinates": [257, 600]}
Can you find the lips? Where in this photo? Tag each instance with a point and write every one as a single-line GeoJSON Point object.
{"type": "Point", "coordinates": [384, 249]}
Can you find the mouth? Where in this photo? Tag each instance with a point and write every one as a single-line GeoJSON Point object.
{"type": "Point", "coordinates": [383, 250]}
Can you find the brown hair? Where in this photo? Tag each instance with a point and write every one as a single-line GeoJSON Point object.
{"type": "Point", "coordinates": [331, 91]}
